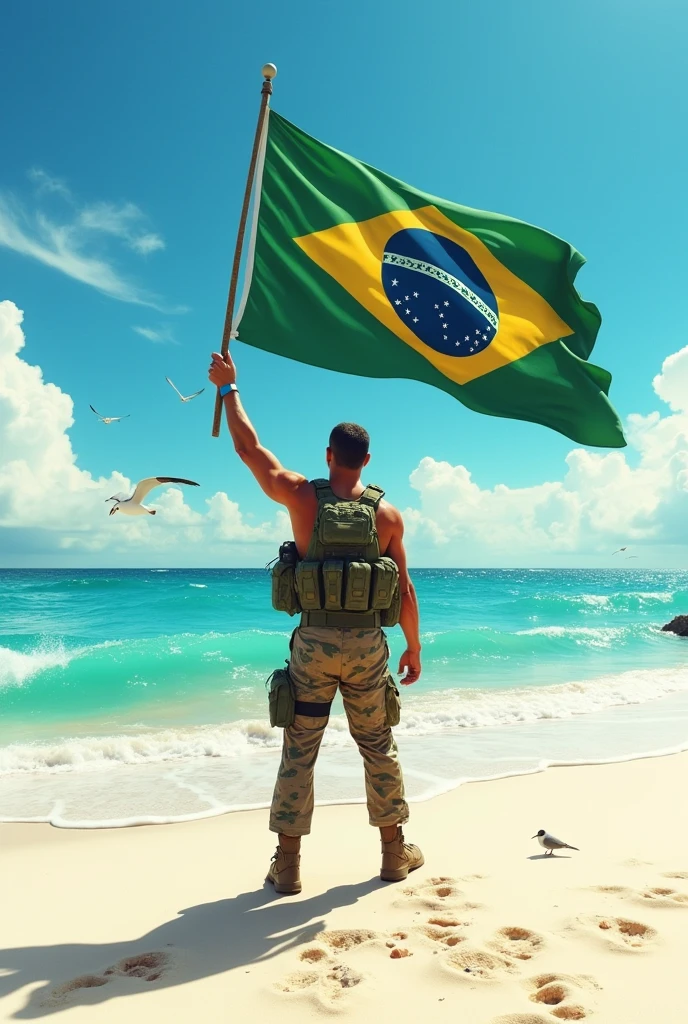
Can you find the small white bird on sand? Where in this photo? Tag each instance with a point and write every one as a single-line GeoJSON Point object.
{"type": "Point", "coordinates": [131, 504]}
{"type": "Point", "coordinates": [109, 419]}
{"type": "Point", "coordinates": [188, 397]}
{"type": "Point", "coordinates": [551, 843]}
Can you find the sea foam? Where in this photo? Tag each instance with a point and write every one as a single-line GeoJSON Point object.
{"type": "Point", "coordinates": [442, 711]}
{"type": "Point", "coordinates": [16, 667]}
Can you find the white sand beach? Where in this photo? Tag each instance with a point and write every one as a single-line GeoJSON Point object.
{"type": "Point", "coordinates": [173, 923]}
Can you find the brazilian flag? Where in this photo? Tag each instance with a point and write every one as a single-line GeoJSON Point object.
{"type": "Point", "coordinates": [352, 270]}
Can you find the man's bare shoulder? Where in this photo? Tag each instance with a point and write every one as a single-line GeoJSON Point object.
{"type": "Point", "coordinates": [389, 515]}
{"type": "Point", "coordinates": [301, 491]}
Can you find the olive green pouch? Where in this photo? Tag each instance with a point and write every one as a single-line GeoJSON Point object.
{"type": "Point", "coordinates": [390, 616]}
{"type": "Point", "coordinates": [347, 524]}
{"type": "Point", "coordinates": [392, 703]}
{"type": "Point", "coordinates": [333, 584]}
{"type": "Point", "coordinates": [284, 596]}
{"type": "Point", "coordinates": [308, 585]}
{"type": "Point", "coordinates": [357, 591]}
{"type": "Point", "coordinates": [385, 581]}
{"type": "Point", "coordinates": [281, 700]}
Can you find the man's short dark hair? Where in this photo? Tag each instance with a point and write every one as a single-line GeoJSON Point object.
{"type": "Point", "coordinates": [349, 444]}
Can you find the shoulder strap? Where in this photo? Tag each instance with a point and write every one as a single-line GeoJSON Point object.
{"type": "Point", "coordinates": [323, 491]}
{"type": "Point", "coordinates": [372, 496]}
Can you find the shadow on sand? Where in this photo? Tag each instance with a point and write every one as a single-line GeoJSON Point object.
{"type": "Point", "coordinates": [549, 856]}
{"type": "Point", "coordinates": [212, 938]}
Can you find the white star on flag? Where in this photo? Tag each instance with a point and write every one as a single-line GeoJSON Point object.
{"type": "Point", "coordinates": [466, 338]}
{"type": "Point", "coordinates": [397, 302]}
{"type": "Point", "coordinates": [437, 305]}
{"type": "Point", "coordinates": [441, 316]}
{"type": "Point", "coordinates": [415, 319]}
{"type": "Point", "coordinates": [407, 311]}
{"type": "Point", "coordinates": [406, 298]}
{"type": "Point", "coordinates": [394, 283]}
{"type": "Point", "coordinates": [446, 302]}
{"type": "Point", "coordinates": [415, 295]}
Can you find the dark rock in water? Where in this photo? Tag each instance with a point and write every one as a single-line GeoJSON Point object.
{"type": "Point", "coordinates": [679, 625]}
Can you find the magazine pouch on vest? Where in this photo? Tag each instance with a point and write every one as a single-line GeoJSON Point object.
{"type": "Point", "coordinates": [281, 699]}
{"type": "Point", "coordinates": [308, 585]}
{"type": "Point", "coordinates": [333, 577]}
{"type": "Point", "coordinates": [357, 594]}
{"type": "Point", "coordinates": [284, 595]}
{"type": "Point", "coordinates": [390, 616]}
{"type": "Point", "coordinates": [384, 582]}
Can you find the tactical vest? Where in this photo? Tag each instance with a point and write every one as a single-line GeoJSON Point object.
{"type": "Point", "coordinates": [343, 581]}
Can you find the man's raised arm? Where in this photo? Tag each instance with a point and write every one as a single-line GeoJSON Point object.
{"type": "Point", "coordinates": [279, 483]}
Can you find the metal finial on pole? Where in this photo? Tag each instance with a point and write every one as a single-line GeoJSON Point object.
{"type": "Point", "coordinates": [269, 71]}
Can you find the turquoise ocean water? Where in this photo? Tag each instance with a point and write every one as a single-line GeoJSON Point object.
{"type": "Point", "coordinates": [138, 695]}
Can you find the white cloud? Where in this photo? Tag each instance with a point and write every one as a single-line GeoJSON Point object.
{"type": "Point", "coordinates": [230, 525]}
{"type": "Point", "coordinates": [144, 244]}
{"type": "Point", "coordinates": [46, 183]}
{"type": "Point", "coordinates": [67, 245]}
{"type": "Point", "coordinates": [42, 488]}
{"type": "Point", "coordinates": [672, 383]}
{"type": "Point", "coordinates": [123, 222]}
{"type": "Point", "coordinates": [600, 501]}
{"type": "Point", "coordinates": [160, 334]}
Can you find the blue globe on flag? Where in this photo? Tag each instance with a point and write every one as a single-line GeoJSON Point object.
{"type": "Point", "coordinates": [436, 289]}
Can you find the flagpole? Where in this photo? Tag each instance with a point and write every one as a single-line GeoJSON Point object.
{"type": "Point", "coordinates": [269, 71]}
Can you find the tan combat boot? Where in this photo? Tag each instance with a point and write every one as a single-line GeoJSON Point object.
{"type": "Point", "coordinates": [284, 872]}
{"type": "Point", "coordinates": [398, 858]}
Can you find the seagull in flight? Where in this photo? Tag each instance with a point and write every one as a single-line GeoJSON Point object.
{"type": "Point", "coordinates": [131, 505]}
{"type": "Point", "coordinates": [619, 550]}
{"type": "Point", "coordinates": [109, 419]}
{"type": "Point", "coordinates": [188, 397]}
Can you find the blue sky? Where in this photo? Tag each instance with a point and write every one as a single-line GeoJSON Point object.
{"type": "Point", "coordinates": [126, 133]}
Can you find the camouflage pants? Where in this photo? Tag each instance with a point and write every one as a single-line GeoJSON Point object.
{"type": "Point", "coordinates": [355, 660]}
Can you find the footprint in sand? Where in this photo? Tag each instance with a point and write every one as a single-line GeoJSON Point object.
{"type": "Point", "coordinates": [658, 896]}
{"type": "Point", "coordinates": [147, 966]}
{"type": "Point", "coordinates": [519, 943]}
{"type": "Point", "coordinates": [328, 977]}
{"type": "Point", "coordinates": [663, 897]}
{"type": "Point", "coordinates": [437, 894]}
{"type": "Point", "coordinates": [562, 992]}
{"type": "Point", "coordinates": [444, 936]}
{"type": "Point", "coordinates": [347, 938]}
{"type": "Point", "coordinates": [477, 964]}
{"type": "Point", "coordinates": [521, 1018]}
{"type": "Point", "coordinates": [675, 874]}
{"type": "Point", "coordinates": [313, 956]}
{"type": "Point", "coordinates": [326, 986]}
{"type": "Point", "coordinates": [85, 981]}
{"type": "Point", "coordinates": [620, 933]}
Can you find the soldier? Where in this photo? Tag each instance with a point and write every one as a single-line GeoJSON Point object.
{"type": "Point", "coordinates": [341, 519]}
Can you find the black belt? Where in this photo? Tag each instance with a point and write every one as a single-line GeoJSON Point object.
{"type": "Point", "coordinates": [342, 620]}
{"type": "Point", "coordinates": [312, 708]}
